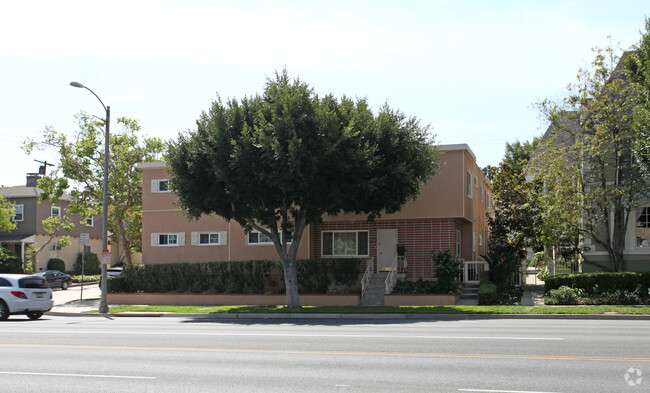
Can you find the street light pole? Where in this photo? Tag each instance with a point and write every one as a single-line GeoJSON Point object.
{"type": "Point", "coordinates": [103, 306]}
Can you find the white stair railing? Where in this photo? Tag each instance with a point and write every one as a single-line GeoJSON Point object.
{"type": "Point", "coordinates": [370, 270]}
{"type": "Point", "coordinates": [391, 279]}
{"type": "Point", "coordinates": [472, 270]}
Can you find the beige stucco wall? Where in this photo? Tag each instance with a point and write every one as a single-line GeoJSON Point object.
{"type": "Point", "coordinates": [68, 253]}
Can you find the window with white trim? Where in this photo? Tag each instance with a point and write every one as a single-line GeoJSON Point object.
{"type": "Point", "coordinates": [643, 227]}
{"type": "Point", "coordinates": [55, 211]}
{"type": "Point", "coordinates": [89, 222]}
{"type": "Point", "coordinates": [168, 239]}
{"type": "Point", "coordinates": [19, 213]}
{"type": "Point", "coordinates": [256, 237]}
{"type": "Point", "coordinates": [345, 243]}
{"type": "Point", "coordinates": [160, 186]}
{"type": "Point", "coordinates": [469, 184]}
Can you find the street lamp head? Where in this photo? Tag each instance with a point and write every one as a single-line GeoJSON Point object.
{"type": "Point", "coordinates": [77, 84]}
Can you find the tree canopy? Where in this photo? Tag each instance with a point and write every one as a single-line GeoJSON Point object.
{"type": "Point", "coordinates": [81, 169]}
{"type": "Point", "coordinates": [638, 65]}
{"type": "Point", "coordinates": [6, 215]}
{"type": "Point", "coordinates": [280, 161]}
{"type": "Point", "coordinates": [587, 163]}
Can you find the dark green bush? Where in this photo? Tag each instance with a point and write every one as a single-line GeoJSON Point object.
{"type": "Point", "coordinates": [314, 276]}
{"type": "Point", "coordinates": [627, 281]}
{"type": "Point", "coordinates": [418, 287]}
{"type": "Point", "coordinates": [56, 264]}
{"type": "Point", "coordinates": [91, 264]}
{"type": "Point", "coordinates": [487, 290]}
{"type": "Point", "coordinates": [10, 262]}
{"type": "Point", "coordinates": [337, 288]}
{"type": "Point", "coordinates": [447, 269]}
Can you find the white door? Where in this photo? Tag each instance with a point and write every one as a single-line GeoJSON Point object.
{"type": "Point", "coordinates": [386, 248]}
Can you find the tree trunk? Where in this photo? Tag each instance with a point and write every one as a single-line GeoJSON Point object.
{"type": "Point", "coordinates": [125, 247]}
{"type": "Point", "coordinates": [291, 281]}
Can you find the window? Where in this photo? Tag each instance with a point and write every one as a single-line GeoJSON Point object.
{"type": "Point", "coordinates": [256, 237]}
{"type": "Point", "coordinates": [55, 247]}
{"type": "Point", "coordinates": [19, 211]}
{"type": "Point", "coordinates": [475, 181]}
{"type": "Point", "coordinates": [208, 238]}
{"type": "Point", "coordinates": [167, 239]}
{"type": "Point", "coordinates": [345, 243]}
{"type": "Point", "coordinates": [89, 222]}
{"type": "Point", "coordinates": [160, 185]}
{"type": "Point", "coordinates": [469, 184]}
{"type": "Point", "coordinates": [55, 211]}
{"type": "Point", "coordinates": [643, 227]}
{"type": "Point", "coordinates": [481, 194]}
{"type": "Point", "coordinates": [4, 282]}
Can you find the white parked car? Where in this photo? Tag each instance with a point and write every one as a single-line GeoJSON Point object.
{"type": "Point", "coordinates": [24, 294]}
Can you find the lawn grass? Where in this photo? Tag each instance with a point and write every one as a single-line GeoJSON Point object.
{"type": "Point", "coordinates": [632, 310]}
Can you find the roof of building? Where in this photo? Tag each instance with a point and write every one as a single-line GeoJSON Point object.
{"type": "Point", "coordinates": [26, 192]}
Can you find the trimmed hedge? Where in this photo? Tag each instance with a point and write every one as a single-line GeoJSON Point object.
{"type": "Point", "coordinates": [56, 264]}
{"type": "Point", "coordinates": [91, 264]}
{"type": "Point", "coordinates": [606, 281]}
{"type": "Point", "coordinates": [258, 276]}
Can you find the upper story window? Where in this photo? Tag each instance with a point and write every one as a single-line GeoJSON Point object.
{"type": "Point", "coordinates": [160, 185]}
{"type": "Point", "coordinates": [55, 212]}
{"type": "Point", "coordinates": [256, 237]}
{"type": "Point", "coordinates": [89, 222]}
{"type": "Point", "coordinates": [345, 243]}
{"type": "Point", "coordinates": [481, 193]}
{"type": "Point", "coordinates": [19, 213]}
{"type": "Point", "coordinates": [167, 239]}
{"type": "Point", "coordinates": [469, 184]}
{"type": "Point", "coordinates": [643, 227]}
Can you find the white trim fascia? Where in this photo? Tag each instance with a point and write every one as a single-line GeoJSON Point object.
{"type": "Point", "coordinates": [457, 147]}
{"type": "Point", "coordinates": [152, 165]}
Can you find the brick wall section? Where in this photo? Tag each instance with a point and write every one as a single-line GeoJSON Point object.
{"type": "Point", "coordinates": [420, 236]}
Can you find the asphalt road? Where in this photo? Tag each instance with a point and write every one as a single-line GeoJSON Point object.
{"type": "Point", "coordinates": [100, 354]}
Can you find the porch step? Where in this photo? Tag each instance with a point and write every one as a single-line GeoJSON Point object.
{"type": "Point", "coordinates": [469, 295]}
{"type": "Point", "coordinates": [374, 295]}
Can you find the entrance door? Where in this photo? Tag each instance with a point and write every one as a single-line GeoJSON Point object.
{"type": "Point", "coordinates": [386, 248]}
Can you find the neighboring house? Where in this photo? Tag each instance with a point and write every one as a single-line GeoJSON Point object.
{"type": "Point", "coordinates": [450, 212]}
{"type": "Point", "coordinates": [29, 215]}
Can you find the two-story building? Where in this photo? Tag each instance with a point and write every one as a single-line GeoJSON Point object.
{"type": "Point", "coordinates": [29, 216]}
{"type": "Point", "coordinates": [450, 212]}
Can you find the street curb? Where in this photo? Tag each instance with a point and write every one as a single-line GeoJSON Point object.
{"type": "Point", "coordinates": [385, 317]}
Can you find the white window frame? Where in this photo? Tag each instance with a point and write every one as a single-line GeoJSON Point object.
{"type": "Point", "coordinates": [180, 239]}
{"type": "Point", "coordinates": [264, 243]}
{"type": "Point", "coordinates": [20, 207]}
{"type": "Point", "coordinates": [89, 222]}
{"type": "Point", "coordinates": [468, 182]}
{"type": "Point", "coordinates": [641, 246]}
{"type": "Point", "coordinates": [55, 208]}
{"type": "Point", "coordinates": [356, 254]}
{"type": "Point", "coordinates": [155, 186]}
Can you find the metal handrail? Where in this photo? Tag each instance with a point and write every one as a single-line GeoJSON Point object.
{"type": "Point", "coordinates": [370, 270]}
{"type": "Point", "coordinates": [391, 279]}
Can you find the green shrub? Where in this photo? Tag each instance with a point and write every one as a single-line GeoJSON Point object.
{"type": "Point", "coordinates": [564, 295]}
{"type": "Point", "coordinates": [627, 281]}
{"type": "Point", "coordinates": [56, 264]}
{"type": "Point", "coordinates": [418, 287]}
{"type": "Point", "coordinates": [337, 288]}
{"type": "Point", "coordinates": [10, 262]}
{"type": "Point", "coordinates": [315, 275]}
{"type": "Point", "coordinates": [447, 269]}
{"type": "Point", "coordinates": [487, 290]}
{"type": "Point", "coordinates": [91, 264]}
{"type": "Point", "coordinates": [502, 267]}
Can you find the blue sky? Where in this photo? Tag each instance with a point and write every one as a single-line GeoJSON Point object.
{"type": "Point", "coordinates": [472, 70]}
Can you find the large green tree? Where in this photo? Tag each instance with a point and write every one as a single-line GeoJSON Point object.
{"type": "Point", "coordinates": [588, 162]}
{"type": "Point", "coordinates": [80, 169]}
{"type": "Point", "coordinates": [280, 161]}
{"type": "Point", "coordinates": [513, 226]}
{"type": "Point", "coordinates": [638, 65]}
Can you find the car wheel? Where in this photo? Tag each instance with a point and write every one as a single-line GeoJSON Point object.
{"type": "Point", "coordinates": [34, 314]}
{"type": "Point", "coordinates": [64, 285]}
{"type": "Point", "coordinates": [4, 311]}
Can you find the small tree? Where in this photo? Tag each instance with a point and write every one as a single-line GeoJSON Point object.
{"type": "Point", "coordinates": [279, 162]}
{"type": "Point", "coordinates": [81, 168]}
{"type": "Point", "coordinates": [448, 269]}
